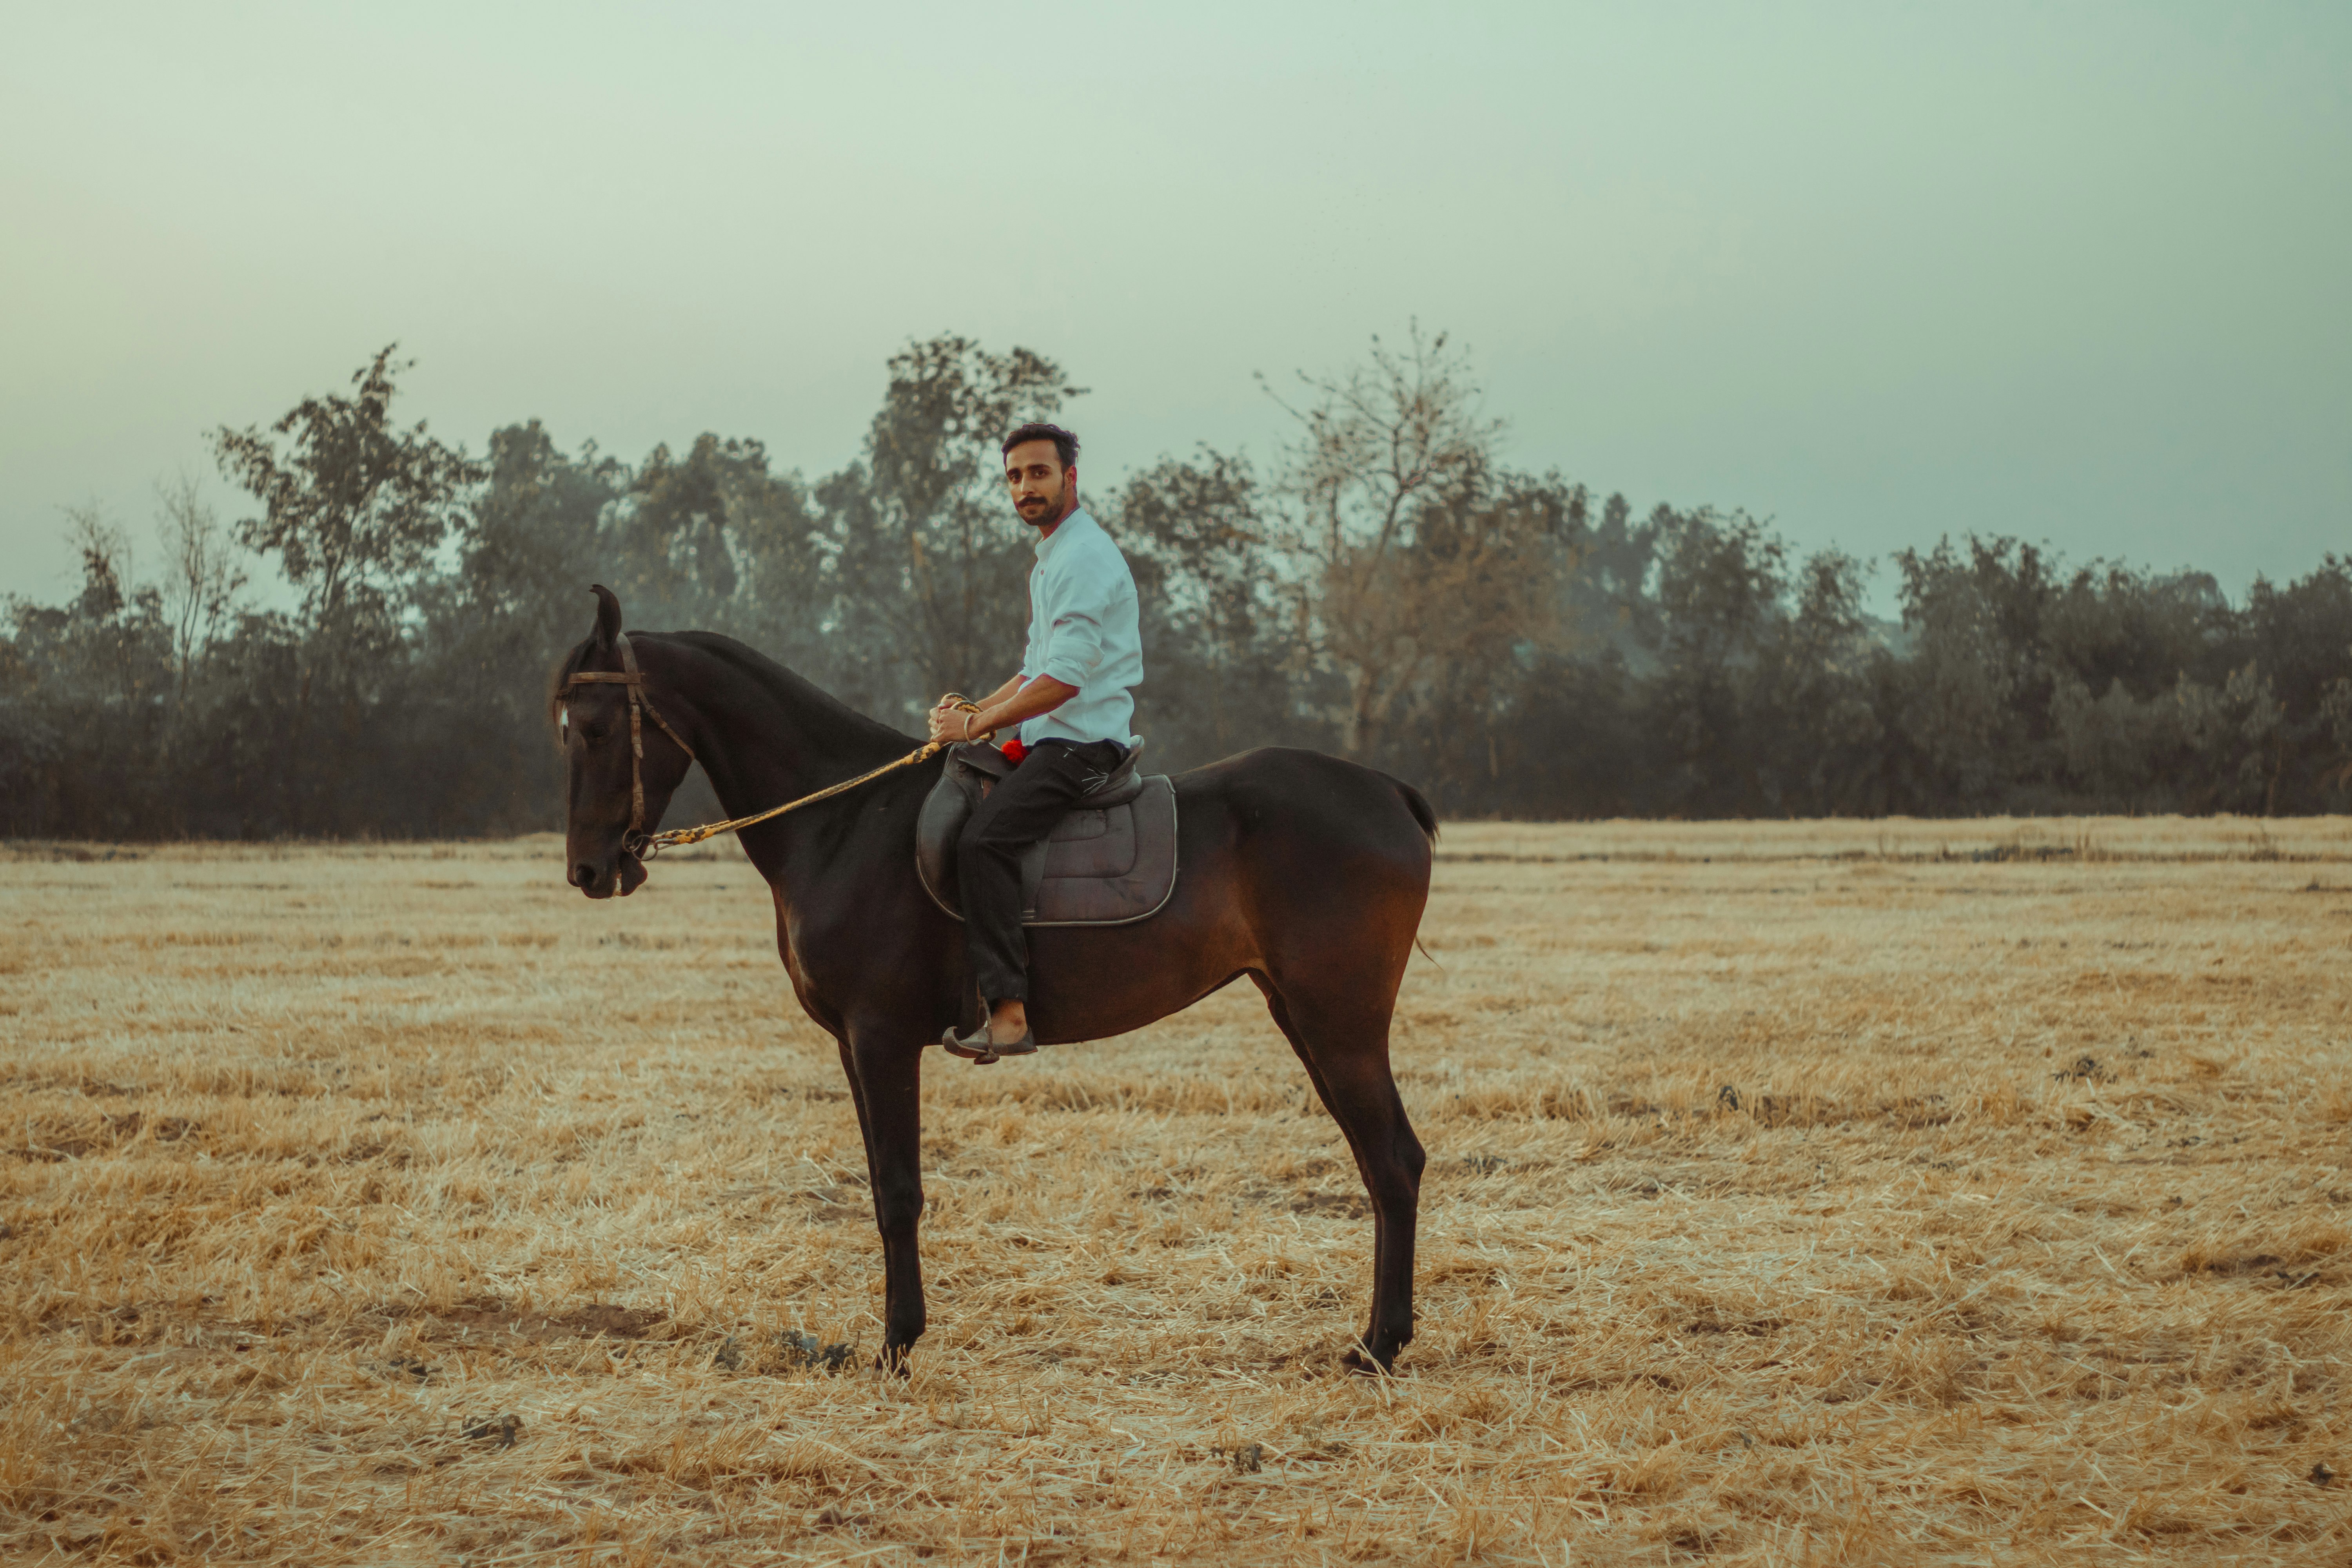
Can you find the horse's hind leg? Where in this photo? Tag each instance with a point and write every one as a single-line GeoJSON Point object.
{"type": "Point", "coordinates": [1343, 1042]}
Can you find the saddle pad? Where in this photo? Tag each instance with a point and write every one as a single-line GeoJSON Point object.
{"type": "Point", "coordinates": [1102, 864]}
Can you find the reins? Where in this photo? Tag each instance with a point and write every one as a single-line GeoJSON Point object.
{"type": "Point", "coordinates": [654, 844]}
{"type": "Point", "coordinates": [645, 846]}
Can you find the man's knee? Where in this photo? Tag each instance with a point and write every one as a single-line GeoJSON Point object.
{"type": "Point", "coordinates": [985, 836]}
{"type": "Point", "coordinates": [1002, 832]}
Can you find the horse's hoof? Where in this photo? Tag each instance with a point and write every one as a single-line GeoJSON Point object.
{"type": "Point", "coordinates": [893, 1361]}
{"type": "Point", "coordinates": [1362, 1365]}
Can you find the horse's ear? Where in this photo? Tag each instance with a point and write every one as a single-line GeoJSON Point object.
{"type": "Point", "coordinates": [608, 615]}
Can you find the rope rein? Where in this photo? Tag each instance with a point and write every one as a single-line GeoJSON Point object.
{"type": "Point", "coordinates": [645, 846]}
{"type": "Point", "coordinates": [679, 837]}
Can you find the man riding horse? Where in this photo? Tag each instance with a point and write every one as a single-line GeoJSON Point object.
{"type": "Point", "coordinates": [1072, 702]}
{"type": "Point", "coordinates": [1306, 875]}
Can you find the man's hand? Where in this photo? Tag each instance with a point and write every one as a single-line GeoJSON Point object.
{"type": "Point", "coordinates": [949, 722]}
{"type": "Point", "coordinates": [1005, 707]}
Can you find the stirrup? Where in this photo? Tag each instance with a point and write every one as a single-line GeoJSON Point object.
{"type": "Point", "coordinates": [980, 1051]}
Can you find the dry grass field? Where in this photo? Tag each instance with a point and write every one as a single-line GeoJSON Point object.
{"type": "Point", "coordinates": [1871, 1193]}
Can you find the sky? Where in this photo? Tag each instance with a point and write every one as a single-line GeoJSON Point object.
{"type": "Point", "coordinates": [1877, 274]}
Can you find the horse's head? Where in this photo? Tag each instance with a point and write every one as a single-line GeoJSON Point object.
{"type": "Point", "coordinates": [621, 759]}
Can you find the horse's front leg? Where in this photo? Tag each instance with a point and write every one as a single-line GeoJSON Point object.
{"type": "Point", "coordinates": [885, 1071]}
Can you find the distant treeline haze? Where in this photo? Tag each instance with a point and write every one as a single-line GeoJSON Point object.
{"type": "Point", "coordinates": [1387, 589]}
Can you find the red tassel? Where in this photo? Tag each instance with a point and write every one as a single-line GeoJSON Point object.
{"type": "Point", "coordinates": [1014, 751]}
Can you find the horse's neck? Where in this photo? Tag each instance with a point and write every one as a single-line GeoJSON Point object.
{"type": "Point", "coordinates": [763, 741]}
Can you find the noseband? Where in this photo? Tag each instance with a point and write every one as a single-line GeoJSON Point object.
{"type": "Point", "coordinates": [635, 842]}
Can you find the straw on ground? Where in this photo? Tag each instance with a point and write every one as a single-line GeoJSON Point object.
{"type": "Point", "coordinates": [1832, 1192]}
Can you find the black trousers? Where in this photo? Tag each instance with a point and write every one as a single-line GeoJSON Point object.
{"type": "Point", "coordinates": [1018, 812]}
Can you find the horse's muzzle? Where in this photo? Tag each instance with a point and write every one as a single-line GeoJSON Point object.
{"type": "Point", "coordinates": [593, 879]}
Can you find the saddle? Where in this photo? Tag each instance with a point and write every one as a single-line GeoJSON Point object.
{"type": "Point", "coordinates": [1111, 858]}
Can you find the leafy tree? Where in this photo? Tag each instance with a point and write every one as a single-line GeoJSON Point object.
{"type": "Point", "coordinates": [1720, 586]}
{"type": "Point", "coordinates": [353, 508]}
{"type": "Point", "coordinates": [491, 627]}
{"type": "Point", "coordinates": [2298, 635]}
{"type": "Point", "coordinates": [1976, 712]}
{"type": "Point", "coordinates": [1392, 589]}
{"type": "Point", "coordinates": [931, 564]}
{"type": "Point", "coordinates": [1486, 562]}
{"type": "Point", "coordinates": [1816, 730]}
{"type": "Point", "coordinates": [1220, 665]}
{"type": "Point", "coordinates": [80, 728]}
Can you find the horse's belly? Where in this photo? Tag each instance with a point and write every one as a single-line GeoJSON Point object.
{"type": "Point", "coordinates": [1090, 983]}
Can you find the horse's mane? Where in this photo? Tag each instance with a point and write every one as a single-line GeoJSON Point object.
{"type": "Point", "coordinates": [795, 692]}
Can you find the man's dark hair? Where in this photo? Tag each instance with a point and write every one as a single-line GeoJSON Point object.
{"type": "Point", "coordinates": [1065, 441]}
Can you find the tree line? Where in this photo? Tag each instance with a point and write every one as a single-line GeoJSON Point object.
{"type": "Point", "coordinates": [1386, 588]}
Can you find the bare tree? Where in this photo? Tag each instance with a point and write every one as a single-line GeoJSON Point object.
{"type": "Point", "coordinates": [106, 595]}
{"type": "Point", "coordinates": [201, 585]}
{"type": "Point", "coordinates": [1410, 559]}
{"type": "Point", "coordinates": [105, 551]}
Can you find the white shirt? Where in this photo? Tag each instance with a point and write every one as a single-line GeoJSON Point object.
{"type": "Point", "coordinates": [1085, 630]}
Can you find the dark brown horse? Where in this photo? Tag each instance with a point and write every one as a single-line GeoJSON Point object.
{"type": "Point", "coordinates": [1305, 873]}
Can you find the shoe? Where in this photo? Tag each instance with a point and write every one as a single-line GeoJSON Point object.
{"type": "Point", "coordinates": [980, 1051]}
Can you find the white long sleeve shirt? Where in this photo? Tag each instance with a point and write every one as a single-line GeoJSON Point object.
{"type": "Point", "coordinates": [1084, 631]}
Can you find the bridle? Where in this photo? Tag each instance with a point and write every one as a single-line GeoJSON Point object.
{"type": "Point", "coordinates": [636, 840]}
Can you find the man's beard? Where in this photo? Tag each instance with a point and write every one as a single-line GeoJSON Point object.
{"type": "Point", "coordinates": [1046, 510]}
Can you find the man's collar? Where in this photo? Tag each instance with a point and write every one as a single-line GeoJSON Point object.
{"type": "Point", "coordinates": [1045, 541]}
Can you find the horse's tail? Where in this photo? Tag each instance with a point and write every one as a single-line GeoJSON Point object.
{"type": "Point", "coordinates": [1426, 814]}
{"type": "Point", "coordinates": [1422, 812]}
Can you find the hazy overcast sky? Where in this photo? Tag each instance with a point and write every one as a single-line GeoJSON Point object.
{"type": "Point", "coordinates": [2077, 272]}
